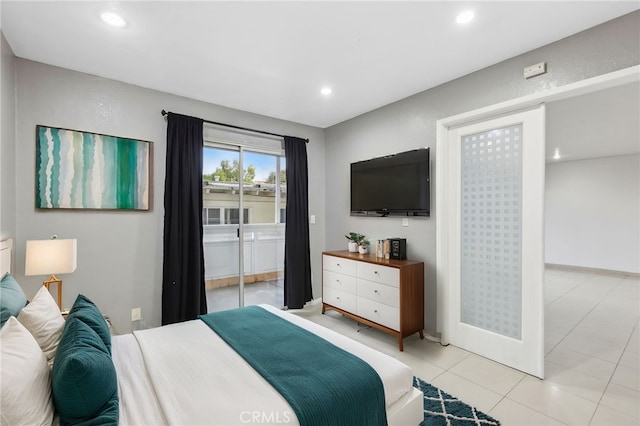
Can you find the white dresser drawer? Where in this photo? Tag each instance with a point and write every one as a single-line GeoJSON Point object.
{"type": "Point", "coordinates": [339, 281]}
{"type": "Point", "coordinates": [379, 313]}
{"type": "Point", "coordinates": [379, 274]}
{"type": "Point", "coordinates": [339, 264]}
{"type": "Point", "coordinates": [380, 293]}
{"type": "Point", "coordinates": [339, 299]}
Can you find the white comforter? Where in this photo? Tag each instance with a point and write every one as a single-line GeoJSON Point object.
{"type": "Point", "coordinates": [185, 374]}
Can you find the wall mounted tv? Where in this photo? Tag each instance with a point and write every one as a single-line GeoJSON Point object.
{"type": "Point", "coordinates": [392, 185]}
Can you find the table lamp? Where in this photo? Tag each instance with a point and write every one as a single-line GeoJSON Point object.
{"type": "Point", "coordinates": [50, 257]}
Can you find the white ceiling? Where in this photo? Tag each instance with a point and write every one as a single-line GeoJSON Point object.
{"type": "Point", "coordinates": [599, 124]}
{"type": "Point", "coordinates": [272, 58]}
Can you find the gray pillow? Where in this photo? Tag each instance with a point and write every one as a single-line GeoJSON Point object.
{"type": "Point", "coordinates": [12, 298]}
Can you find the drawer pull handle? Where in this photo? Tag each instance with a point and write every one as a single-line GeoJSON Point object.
{"type": "Point", "coordinates": [375, 291]}
{"type": "Point", "coordinates": [338, 265]}
{"type": "Point", "coordinates": [337, 297]}
{"type": "Point", "coordinates": [375, 311]}
{"type": "Point", "coordinates": [375, 272]}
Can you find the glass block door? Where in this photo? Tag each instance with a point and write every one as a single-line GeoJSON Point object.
{"type": "Point", "coordinates": [494, 226]}
{"type": "Point", "coordinates": [491, 246]}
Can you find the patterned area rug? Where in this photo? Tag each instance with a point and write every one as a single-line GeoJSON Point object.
{"type": "Point", "coordinates": [440, 408]}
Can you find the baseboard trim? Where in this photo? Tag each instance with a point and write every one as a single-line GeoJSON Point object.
{"type": "Point", "coordinates": [588, 269]}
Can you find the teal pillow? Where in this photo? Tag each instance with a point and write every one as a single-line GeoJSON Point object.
{"type": "Point", "coordinates": [83, 378]}
{"type": "Point", "coordinates": [87, 312]}
{"type": "Point", "coordinates": [12, 298]}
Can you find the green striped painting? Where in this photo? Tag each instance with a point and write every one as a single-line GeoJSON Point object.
{"type": "Point", "coordinates": [80, 170]}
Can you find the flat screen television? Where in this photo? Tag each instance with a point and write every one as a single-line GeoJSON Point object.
{"type": "Point", "coordinates": [392, 185]}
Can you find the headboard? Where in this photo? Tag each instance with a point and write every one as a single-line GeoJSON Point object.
{"type": "Point", "coordinates": [6, 251]}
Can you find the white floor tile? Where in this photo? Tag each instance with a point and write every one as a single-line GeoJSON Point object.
{"type": "Point", "coordinates": [423, 369]}
{"type": "Point", "coordinates": [627, 377]}
{"type": "Point", "coordinates": [611, 326]}
{"type": "Point", "coordinates": [634, 342]}
{"type": "Point", "coordinates": [376, 339]}
{"type": "Point", "coordinates": [630, 359]}
{"type": "Point", "coordinates": [605, 279]}
{"type": "Point", "coordinates": [577, 276]}
{"type": "Point", "coordinates": [444, 357]}
{"type": "Point", "coordinates": [619, 338]}
{"type": "Point", "coordinates": [597, 348]}
{"type": "Point", "coordinates": [574, 381]}
{"type": "Point", "coordinates": [581, 363]}
{"type": "Point", "coordinates": [488, 374]}
{"type": "Point", "coordinates": [554, 324]}
{"type": "Point", "coordinates": [606, 416]}
{"type": "Point", "coordinates": [481, 398]}
{"type": "Point", "coordinates": [629, 288]}
{"type": "Point", "coordinates": [624, 313]}
{"type": "Point", "coordinates": [622, 399]}
{"type": "Point", "coordinates": [554, 290]}
{"type": "Point", "coordinates": [552, 401]}
{"type": "Point", "coordinates": [511, 413]}
{"type": "Point", "coordinates": [551, 339]}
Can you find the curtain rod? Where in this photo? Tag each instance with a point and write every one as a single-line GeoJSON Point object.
{"type": "Point", "coordinates": [164, 113]}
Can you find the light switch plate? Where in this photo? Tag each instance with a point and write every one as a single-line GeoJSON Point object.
{"type": "Point", "coordinates": [136, 314]}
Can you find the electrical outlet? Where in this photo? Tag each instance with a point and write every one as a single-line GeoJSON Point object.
{"type": "Point", "coordinates": [136, 314]}
{"type": "Point", "coordinates": [405, 222]}
{"type": "Point", "coordinates": [534, 70]}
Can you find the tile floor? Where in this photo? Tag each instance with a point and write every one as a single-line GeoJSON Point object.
{"type": "Point", "coordinates": [269, 292]}
{"type": "Point", "coordinates": [592, 356]}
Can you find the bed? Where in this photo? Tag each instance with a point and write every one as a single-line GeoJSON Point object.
{"type": "Point", "coordinates": [187, 374]}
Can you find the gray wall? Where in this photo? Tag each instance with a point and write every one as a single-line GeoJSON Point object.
{"type": "Point", "coordinates": [120, 262]}
{"type": "Point", "coordinates": [410, 123]}
{"type": "Point", "coordinates": [120, 253]}
{"type": "Point", "coordinates": [7, 145]}
{"type": "Point", "coordinates": [592, 211]}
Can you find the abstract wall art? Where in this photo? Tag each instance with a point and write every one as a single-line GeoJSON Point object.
{"type": "Point", "coordinates": [81, 170]}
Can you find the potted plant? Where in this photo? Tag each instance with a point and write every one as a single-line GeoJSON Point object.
{"type": "Point", "coordinates": [363, 246]}
{"type": "Point", "coordinates": [354, 240]}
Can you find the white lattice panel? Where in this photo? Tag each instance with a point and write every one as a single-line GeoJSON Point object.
{"type": "Point", "coordinates": [491, 263]}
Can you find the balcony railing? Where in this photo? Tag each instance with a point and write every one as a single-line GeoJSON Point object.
{"type": "Point", "coordinates": [263, 251]}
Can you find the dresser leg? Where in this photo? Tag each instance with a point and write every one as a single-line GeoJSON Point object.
{"type": "Point", "coordinates": [421, 334]}
{"type": "Point", "coordinates": [400, 343]}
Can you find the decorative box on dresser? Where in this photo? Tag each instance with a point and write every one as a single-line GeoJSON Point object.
{"type": "Point", "coordinates": [386, 294]}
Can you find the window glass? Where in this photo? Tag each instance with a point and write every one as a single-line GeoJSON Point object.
{"type": "Point", "coordinates": [263, 183]}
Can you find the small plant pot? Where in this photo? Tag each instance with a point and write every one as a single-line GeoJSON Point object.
{"type": "Point", "coordinates": [353, 247]}
{"type": "Point", "coordinates": [363, 249]}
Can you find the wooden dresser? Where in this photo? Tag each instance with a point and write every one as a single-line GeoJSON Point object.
{"type": "Point", "coordinates": [386, 294]}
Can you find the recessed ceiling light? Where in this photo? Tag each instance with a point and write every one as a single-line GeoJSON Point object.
{"type": "Point", "coordinates": [465, 17]}
{"type": "Point", "coordinates": [326, 91]}
{"type": "Point", "coordinates": [113, 19]}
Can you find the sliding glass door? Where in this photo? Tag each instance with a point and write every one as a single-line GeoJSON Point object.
{"type": "Point", "coordinates": [244, 211]}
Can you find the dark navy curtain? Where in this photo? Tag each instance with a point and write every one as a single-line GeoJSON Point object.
{"type": "Point", "coordinates": [183, 287]}
{"type": "Point", "coordinates": [297, 260]}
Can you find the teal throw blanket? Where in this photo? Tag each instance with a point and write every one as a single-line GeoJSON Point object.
{"type": "Point", "coordinates": [324, 384]}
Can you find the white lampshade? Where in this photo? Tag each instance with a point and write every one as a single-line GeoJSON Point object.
{"type": "Point", "coordinates": [50, 257]}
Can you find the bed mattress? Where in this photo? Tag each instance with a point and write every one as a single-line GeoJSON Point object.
{"type": "Point", "coordinates": [186, 374]}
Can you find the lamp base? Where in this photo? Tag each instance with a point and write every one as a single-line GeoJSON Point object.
{"type": "Point", "coordinates": [53, 280]}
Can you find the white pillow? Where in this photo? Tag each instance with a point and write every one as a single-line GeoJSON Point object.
{"type": "Point", "coordinates": [25, 396]}
{"type": "Point", "coordinates": [44, 321]}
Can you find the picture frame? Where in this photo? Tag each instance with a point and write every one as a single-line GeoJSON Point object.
{"type": "Point", "coordinates": [80, 170]}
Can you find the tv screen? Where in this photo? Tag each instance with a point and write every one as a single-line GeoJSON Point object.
{"type": "Point", "coordinates": [392, 185]}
